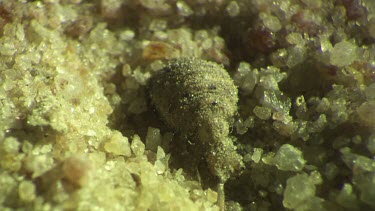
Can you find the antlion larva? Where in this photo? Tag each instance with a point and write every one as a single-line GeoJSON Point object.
{"type": "Point", "coordinates": [198, 98]}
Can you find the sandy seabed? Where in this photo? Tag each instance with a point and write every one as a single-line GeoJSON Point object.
{"type": "Point", "coordinates": [78, 132]}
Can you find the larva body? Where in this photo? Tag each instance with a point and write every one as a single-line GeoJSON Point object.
{"type": "Point", "coordinates": [198, 98]}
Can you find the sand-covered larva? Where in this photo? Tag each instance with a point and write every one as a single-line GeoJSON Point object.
{"type": "Point", "coordinates": [197, 98]}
